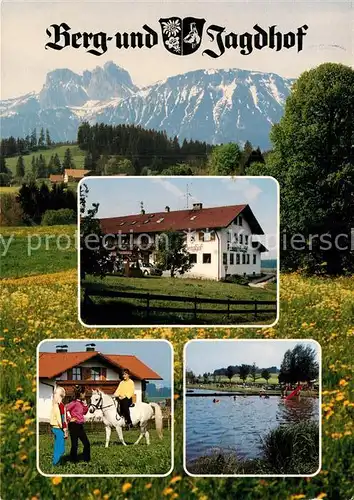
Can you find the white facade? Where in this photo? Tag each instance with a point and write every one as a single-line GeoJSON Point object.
{"type": "Point", "coordinates": [221, 252]}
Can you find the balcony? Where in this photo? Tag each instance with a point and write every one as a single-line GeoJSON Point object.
{"type": "Point", "coordinates": [236, 247]}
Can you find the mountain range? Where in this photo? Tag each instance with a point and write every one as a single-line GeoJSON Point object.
{"type": "Point", "coordinates": [215, 106]}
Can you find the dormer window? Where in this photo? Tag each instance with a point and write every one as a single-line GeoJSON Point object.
{"type": "Point", "coordinates": [146, 221]}
{"type": "Point", "coordinates": [122, 223]}
{"type": "Point", "coordinates": [193, 217]}
{"type": "Point", "coordinates": [160, 220]}
{"type": "Point", "coordinates": [134, 222]}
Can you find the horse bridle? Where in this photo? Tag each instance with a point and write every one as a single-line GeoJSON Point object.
{"type": "Point", "coordinates": [99, 404]}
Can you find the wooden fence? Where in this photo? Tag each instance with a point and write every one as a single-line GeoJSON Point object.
{"type": "Point", "coordinates": [256, 307]}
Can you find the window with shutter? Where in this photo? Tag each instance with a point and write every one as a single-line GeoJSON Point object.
{"type": "Point", "coordinates": [70, 374]}
{"type": "Point", "coordinates": [103, 373]}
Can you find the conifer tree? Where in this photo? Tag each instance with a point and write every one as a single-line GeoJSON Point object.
{"type": "Point", "coordinates": [20, 167]}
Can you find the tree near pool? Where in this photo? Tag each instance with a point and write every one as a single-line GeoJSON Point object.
{"type": "Point", "coordinates": [299, 365]}
{"type": "Point", "coordinates": [172, 254]}
{"type": "Point", "coordinates": [313, 160]}
{"type": "Point", "coordinates": [230, 372]}
{"type": "Point", "coordinates": [253, 372]}
{"type": "Point", "coordinates": [244, 372]}
{"type": "Point", "coordinates": [265, 374]}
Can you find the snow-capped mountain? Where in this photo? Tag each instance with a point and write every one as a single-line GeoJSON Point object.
{"type": "Point", "coordinates": [210, 105]}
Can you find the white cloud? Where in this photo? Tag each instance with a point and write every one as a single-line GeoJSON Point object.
{"type": "Point", "coordinates": [250, 191]}
{"type": "Point", "coordinates": [172, 188]}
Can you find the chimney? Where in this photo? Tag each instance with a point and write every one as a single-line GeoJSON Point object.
{"type": "Point", "coordinates": [197, 206]}
{"type": "Point", "coordinates": [61, 348]}
{"type": "Point", "coordinates": [142, 211]}
{"type": "Point", "coordinates": [90, 347]}
{"type": "Point", "coordinates": [167, 208]}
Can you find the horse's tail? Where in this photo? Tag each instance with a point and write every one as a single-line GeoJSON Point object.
{"type": "Point", "coordinates": [158, 418]}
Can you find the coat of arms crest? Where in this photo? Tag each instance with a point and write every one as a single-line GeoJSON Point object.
{"type": "Point", "coordinates": [182, 36]}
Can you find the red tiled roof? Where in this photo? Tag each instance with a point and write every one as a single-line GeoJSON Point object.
{"type": "Point", "coordinates": [76, 172]}
{"type": "Point", "coordinates": [179, 220]}
{"type": "Point", "coordinates": [56, 178]}
{"type": "Point", "coordinates": [52, 364]}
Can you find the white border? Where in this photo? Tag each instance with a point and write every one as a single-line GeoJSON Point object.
{"type": "Point", "coordinates": [210, 177]}
{"type": "Point", "coordinates": [172, 408]}
{"type": "Point", "coordinates": [185, 400]}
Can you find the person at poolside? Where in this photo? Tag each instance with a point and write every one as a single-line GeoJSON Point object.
{"type": "Point", "coordinates": [76, 411]}
{"type": "Point", "coordinates": [124, 394]}
{"type": "Point", "coordinates": [58, 424]}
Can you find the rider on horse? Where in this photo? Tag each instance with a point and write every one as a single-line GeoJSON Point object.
{"type": "Point", "coordinates": [124, 395]}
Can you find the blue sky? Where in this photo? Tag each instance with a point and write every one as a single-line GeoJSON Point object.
{"type": "Point", "coordinates": [122, 196]}
{"type": "Point", "coordinates": [207, 356]}
{"type": "Point", "coordinates": [155, 354]}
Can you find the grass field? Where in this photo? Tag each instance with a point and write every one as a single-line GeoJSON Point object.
{"type": "Point", "coordinates": [9, 189]}
{"type": "Point", "coordinates": [78, 157]}
{"type": "Point", "coordinates": [116, 459]}
{"type": "Point", "coordinates": [45, 306]}
{"type": "Point", "coordinates": [112, 311]}
{"type": "Point", "coordinates": [37, 250]}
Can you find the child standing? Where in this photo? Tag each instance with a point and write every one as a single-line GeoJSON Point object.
{"type": "Point", "coordinates": [58, 424]}
{"type": "Point", "coordinates": [76, 411]}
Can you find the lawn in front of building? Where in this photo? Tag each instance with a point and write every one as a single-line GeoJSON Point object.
{"type": "Point", "coordinates": [105, 309]}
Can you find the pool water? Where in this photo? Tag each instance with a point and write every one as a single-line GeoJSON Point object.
{"type": "Point", "coordinates": [238, 425]}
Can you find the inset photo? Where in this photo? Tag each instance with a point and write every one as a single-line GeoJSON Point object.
{"type": "Point", "coordinates": [97, 398]}
{"type": "Point", "coordinates": [252, 408]}
{"type": "Point", "coordinates": [178, 251]}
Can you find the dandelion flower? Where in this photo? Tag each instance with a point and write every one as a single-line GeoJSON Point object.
{"type": "Point", "coordinates": [56, 480]}
{"type": "Point", "coordinates": [167, 491]}
{"type": "Point", "coordinates": [96, 492]}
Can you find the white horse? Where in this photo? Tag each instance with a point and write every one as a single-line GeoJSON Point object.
{"type": "Point", "coordinates": [140, 414]}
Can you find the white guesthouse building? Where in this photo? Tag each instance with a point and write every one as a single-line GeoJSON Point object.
{"type": "Point", "coordinates": [89, 368]}
{"type": "Point", "coordinates": [220, 240]}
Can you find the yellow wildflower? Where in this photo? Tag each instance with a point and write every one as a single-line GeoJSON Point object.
{"type": "Point", "coordinates": [167, 491]}
{"type": "Point", "coordinates": [96, 492]}
{"type": "Point", "coordinates": [126, 487]}
{"type": "Point", "coordinates": [56, 480]}
{"type": "Point", "coordinates": [175, 479]}
{"type": "Point", "coordinates": [148, 486]}
{"type": "Point", "coordinates": [321, 495]}
{"type": "Point", "coordinates": [343, 382]}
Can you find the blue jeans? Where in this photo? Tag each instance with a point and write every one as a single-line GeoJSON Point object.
{"type": "Point", "coordinates": [59, 445]}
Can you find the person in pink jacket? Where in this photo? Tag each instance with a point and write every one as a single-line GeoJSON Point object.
{"type": "Point", "coordinates": [76, 411]}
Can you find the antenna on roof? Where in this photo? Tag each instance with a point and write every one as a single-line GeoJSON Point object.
{"type": "Point", "coordinates": [188, 194]}
{"type": "Point", "coordinates": [142, 211]}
